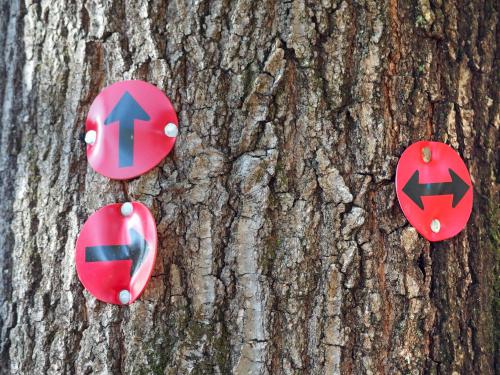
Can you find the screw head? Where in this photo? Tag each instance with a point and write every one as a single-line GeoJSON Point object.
{"type": "Point", "coordinates": [426, 154]}
{"type": "Point", "coordinates": [124, 296]}
{"type": "Point", "coordinates": [435, 225]}
{"type": "Point", "coordinates": [90, 137]}
{"type": "Point", "coordinates": [171, 130]}
{"type": "Point", "coordinates": [126, 209]}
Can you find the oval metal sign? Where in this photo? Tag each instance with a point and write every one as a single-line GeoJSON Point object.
{"type": "Point", "coordinates": [131, 126]}
{"type": "Point", "coordinates": [434, 189]}
{"type": "Point", "coordinates": [116, 251]}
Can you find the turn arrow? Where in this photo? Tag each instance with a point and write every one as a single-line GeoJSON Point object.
{"type": "Point", "coordinates": [125, 112]}
{"type": "Point", "coordinates": [415, 190]}
{"type": "Point", "coordinates": [135, 251]}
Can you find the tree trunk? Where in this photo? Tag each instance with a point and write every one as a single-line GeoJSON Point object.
{"type": "Point", "coordinates": [282, 246]}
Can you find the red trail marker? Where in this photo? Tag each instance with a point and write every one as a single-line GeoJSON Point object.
{"type": "Point", "coordinates": [115, 252]}
{"type": "Point", "coordinates": [131, 126]}
{"type": "Point", "coordinates": [434, 189]}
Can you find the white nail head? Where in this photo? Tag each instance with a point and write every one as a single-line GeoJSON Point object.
{"type": "Point", "coordinates": [426, 154]}
{"type": "Point", "coordinates": [126, 209]}
{"type": "Point", "coordinates": [90, 137]}
{"type": "Point", "coordinates": [435, 225]}
{"type": "Point", "coordinates": [124, 296]}
{"type": "Point", "coordinates": [171, 130]}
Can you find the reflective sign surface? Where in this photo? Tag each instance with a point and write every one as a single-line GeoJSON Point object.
{"type": "Point", "coordinates": [434, 189]}
{"type": "Point", "coordinates": [126, 129]}
{"type": "Point", "coordinates": [115, 252]}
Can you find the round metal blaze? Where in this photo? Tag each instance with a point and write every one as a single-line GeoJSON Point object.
{"type": "Point", "coordinates": [126, 129]}
{"type": "Point", "coordinates": [434, 189]}
{"type": "Point", "coordinates": [115, 253]}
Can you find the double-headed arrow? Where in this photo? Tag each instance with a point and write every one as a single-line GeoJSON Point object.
{"type": "Point", "coordinates": [415, 190]}
{"type": "Point", "coordinates": [136, 251]}
{"type": "Point", "coordinates": [125, 112]}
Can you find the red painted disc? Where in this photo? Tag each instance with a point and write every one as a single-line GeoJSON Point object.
{"type": "Point", "coordinates": [126, 123]}
{"type": "Point", "coordinates": [435, 196]}
{"type": "Point", "coordinates": [116, 253]}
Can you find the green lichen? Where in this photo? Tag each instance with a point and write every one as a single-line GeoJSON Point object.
{"type": "Point", "coordinates": [158, 359]}
{"type": "Point", "coordinates": [159, 350]}
{"type": "Point", "coordinates": [196, 330]}
{"type": "Point", "coordinates": [222, 355]}
{"type": "Point", "coordinates": [219, 344]}
{"type": "Point", "coordinates": [281, 177]}
{"type": "Point", "coordinates": [267, 259]}
{"type": "Point", "coordinates": [420, 21]}
{"type": "Point", "coordinates": [495, 243]}
{"type": "Point", "coordinates": [259, 174]}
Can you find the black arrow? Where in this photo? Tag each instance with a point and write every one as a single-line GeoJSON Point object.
{"type": "Point", "coordinates": [415, 190]}
{"type": "Point", "coordinates": [135, 251]}
{"type": "Point", "coordinates": [125, 112]}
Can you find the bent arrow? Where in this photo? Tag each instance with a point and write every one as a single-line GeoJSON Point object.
{"type": "Point", "coordinates": [135, 251]}
{"type": "Point", "coordinates": [415, 190]}
{"type": "Point", "coordinates": [125, 112]}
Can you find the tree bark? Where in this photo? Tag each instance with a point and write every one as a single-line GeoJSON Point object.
{"type": "Point", "coordinates": [282, 247]}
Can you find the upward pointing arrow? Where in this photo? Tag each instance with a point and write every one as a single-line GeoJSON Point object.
{"type": "Point", "coordinates": [125, 112]}
{"type": "Point", "coordinates": [136, 251]}
{"type": "Point", "coordinates": [415, 190]}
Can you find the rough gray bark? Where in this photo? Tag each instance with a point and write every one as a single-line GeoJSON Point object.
{"type": "Point", "coordinates": [282, 248]}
